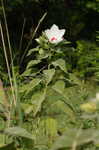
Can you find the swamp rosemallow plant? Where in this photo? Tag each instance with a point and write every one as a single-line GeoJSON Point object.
{"type": "Point", "coordinates": [48, 95]}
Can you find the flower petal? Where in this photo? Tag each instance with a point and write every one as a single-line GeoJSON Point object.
{"type": "Point", "coordinates": [54, 28]}
{"type": "Point", "coordinates": [62, 32]}
{"type": "Point", "coordinates": [47, 31]}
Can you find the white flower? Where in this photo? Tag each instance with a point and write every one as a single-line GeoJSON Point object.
{"type": "Point", "coordinates": [54, 34]}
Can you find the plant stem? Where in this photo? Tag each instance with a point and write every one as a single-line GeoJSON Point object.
{"type": "Point", "coordinates": [8, 68]}
{"type": "Point", "coordinates": [20, 45]}
{"type": "Point", "coordinates": [8, 38]}
{"type": "Point", "coordinates": [15, 96]}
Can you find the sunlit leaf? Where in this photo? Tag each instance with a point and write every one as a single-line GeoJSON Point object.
{"type": "Point", "coordinates": [61, 64]}
{"type": "Point", "coordinates": [18, 132]}
{"type": "Point", "coordinates": [89, 107]}
{"type": "Point", "coordinates": [78, 136]}
{"type": "Point", "coordinates": [33, 62]}
{"type": "Point", "coordinates": [48, 74]}
{"type": "Point", "coordinates": [27, 108]}
{"type": "Point", "coordinates": [32, 50]}
{"type": "Point", "coordinates": [59, 86]}
{"type": "Point", "coordinates": [29, 86]}
{"type": "Point", "coordinates": [37, 100]}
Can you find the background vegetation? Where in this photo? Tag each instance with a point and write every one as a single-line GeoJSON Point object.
{"type": "Point", "coordinates": [49, 94]}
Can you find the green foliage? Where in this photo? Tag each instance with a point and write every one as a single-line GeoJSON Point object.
{"type": "Point", "coordinates": [18, 132]}
{"type": "Point", "coordinates": [93, 5]}
{"type": "Point", "coordinates": [52, 97]}
{"type": "Point", "coordinates": [87, 58]}
{"type": "Point", "coordinates": [76, 137]}
{"type": "Point", "coordinates": [53, 107]}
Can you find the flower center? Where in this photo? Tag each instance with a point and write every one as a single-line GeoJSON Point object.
{"type": "Point", "coordinates": [53, 39]}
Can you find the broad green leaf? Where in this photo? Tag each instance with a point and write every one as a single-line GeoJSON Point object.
{"type": "Point", "coordinates": [37, 100]}
{"type": "Point", "coordinates": [48, 74]}
{"type": "Point", "coordinates": [43, 55]}
{"type": "Point", "coordinates": [78, 136]}
{"type": "Point", "coordinates": [62, 108]}
{"type": "Point", "coordinates": [32, 50]}
{"type": "Point", "coordinates": [27, 72]}
{"type": "Point", "coordinates": [32, 62]}
{"type": "Point", "coordinates": [27, 108]}
{"type": "Point", "coordinates": [59, 86]}
{"type": "Point", "coordinates": [74, 79]}
{"type": "Point", "coordinates": [28, 87]}
{"type": "Point", "coordinates": [53, 96]}
{"type": "Point", "coordinates": [63, 43]}
{"type": "Point", "coordinates": [34, 83]}
{"type": "Point", "coordinates": [61, 64]}
{"type": "Point", "coordinates": [18, 132]}
{"type": "Point", "coordinates": [41, 51]}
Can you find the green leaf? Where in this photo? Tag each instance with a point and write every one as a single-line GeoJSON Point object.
{"type": "Point", "coordinates": [29, 72]}
{"type": "Point", "coordinates": [28, 87]}
{"type": "Point", "coordinates": [74, 79]}
{"type": "Point", "coordinates": [61, 64]}
{"type": "Point", "coordinates": [48, 74]}
{"type": "Point", "coordinates": [78, 136]}
{"type": "Point", "coordinates": [37, 100]}
{"type": "Point", "coordinates": [43, 55]}
{"type": "Point", "coordinates": [34, 82]}
{"type": "Point", "coordinates": [18, 132]}
{"type": "Point", "coordinates": [59, 86]}
{"type": "Point", "coordinates": [27, 108]}
{"type": "Point", "coordinates": [32, 62]}
{"type": "Point", "coordinates": [62, 108]}
{"type": "Point", "coordinates": [32, 50]}
{"type": "Point", "coordinates": [63, 43]}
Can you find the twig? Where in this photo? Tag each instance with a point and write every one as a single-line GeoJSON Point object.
{"type": "Point", "coordinates": [29, 43]}
{"type": "Point", "coordinates": [20, 45]}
